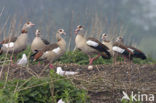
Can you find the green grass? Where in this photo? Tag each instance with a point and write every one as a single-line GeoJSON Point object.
{"type": "Point", "coordinates": [79, 58]}
{"type": "Point", "coordinates": [41, 90]}
{"type": "Point", "coordinates": [53, 87]}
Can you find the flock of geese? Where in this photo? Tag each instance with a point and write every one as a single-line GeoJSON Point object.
{"type": "Point", "coordinates": [43, 50]}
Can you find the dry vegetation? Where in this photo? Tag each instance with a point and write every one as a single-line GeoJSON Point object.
{"type": "Point", "coordinates": [104, 83]}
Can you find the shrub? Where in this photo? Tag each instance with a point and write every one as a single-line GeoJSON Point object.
{"type": "Point", "coordinates": [41, 90]}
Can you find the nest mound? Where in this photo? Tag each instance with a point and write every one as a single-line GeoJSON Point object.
{"type": "Point", "coordinates": [104, 83]}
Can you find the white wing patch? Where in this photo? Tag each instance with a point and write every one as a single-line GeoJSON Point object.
{"type": "Point", "coordinates": [56, 50]}
{"type": "Point", "coordinates": [9, 45]}
{"type": "Point", "coordinates": [118, 49]}
{"type": "Point", "coordinates": [131, 49]}
{"type": "Point", "coordinates": [92, 43]}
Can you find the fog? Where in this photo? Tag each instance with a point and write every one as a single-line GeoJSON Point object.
{"type": "Point", "coordinates": [133, 19]}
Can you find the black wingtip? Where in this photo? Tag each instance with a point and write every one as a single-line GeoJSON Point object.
{"type": "Point", "coordinates": [107, 56]}
{"type": "Point", "coordinates": [140, 55]}
{"type": "Point", "coordinates": [32, 56]}
{"type": "Point", "coordinates": [144, 57]}
{"type": "Point", "coordinates": [0, 46]}
{"type": "Point", "coordinates": [0, 49]}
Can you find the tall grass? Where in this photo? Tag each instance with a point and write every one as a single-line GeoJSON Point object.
{"type": "Point", "coordinates": [96, 27]}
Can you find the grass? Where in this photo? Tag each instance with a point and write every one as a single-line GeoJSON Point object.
{"type": "Point", "coordinates": [78, 57]}
{"type": "Point", "coordinates": [41, 90]}
{"type": "Point", "coordinates": [53, 87]}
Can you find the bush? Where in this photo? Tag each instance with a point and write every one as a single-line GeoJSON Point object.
{"type": "Point", "coordinates": [41, 90]}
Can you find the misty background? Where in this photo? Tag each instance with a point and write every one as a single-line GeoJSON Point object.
{"type": "Point", "coordinates": [133, 19]}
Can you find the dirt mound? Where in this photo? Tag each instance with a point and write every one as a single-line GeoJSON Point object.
{"type": "Point", "coordinates": [104, 83]}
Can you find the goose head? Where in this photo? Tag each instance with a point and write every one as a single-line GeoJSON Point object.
{"type": "Point", "coordinates": [61, 32]}
{"type": "Point", "coordinates": [120, 39]}
{"type": "Point", "coordinates": [79, 29]}
{"type": "Point", "coordinates": [37, 33]}
{"type": "Point", "coordinates": [28, 25]}
{"type": "Point", "coordinates": [104, 37]}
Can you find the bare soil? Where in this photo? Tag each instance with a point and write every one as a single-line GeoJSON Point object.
{"type": "Point", "coordinates": [104, 83]}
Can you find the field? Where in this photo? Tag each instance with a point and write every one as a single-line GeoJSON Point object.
{"type": "Point", "coordinates": [103, 84]}
{"type": "Point", "coordinates": [108, 81]}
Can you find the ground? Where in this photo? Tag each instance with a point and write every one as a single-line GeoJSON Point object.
{"type": "Point", "coordinates": [104, 83]}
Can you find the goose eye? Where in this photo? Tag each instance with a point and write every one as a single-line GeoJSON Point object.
{"type": "Point", "coordinates": [60, 30]}
{"type": "Point", "coordinates": [80, 26]}
{"type": "Point", "coordinates": [28, 23]}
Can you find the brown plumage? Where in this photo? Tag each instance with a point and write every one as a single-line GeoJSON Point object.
{"type": "Point", "coordinates": [44, 50]}
{"type": "Point", "coordinates": [38, 43]}
{"type": "Point", "coordinates": [122, 46]}
{"type": "Point", "coordinates": [101, 48]}
{"type": "Point", "coordinates": [38, 55]}
{"type": "Point", "coordinates": [14, 44]}
{"type": "Point", "coordinates": [53, 51]}
{"type": "Point", "coordinates": [90, 46]}
{"type": "Point", "coordinates": [108, 43]}
{"type": "Point", "coordinates": [126, 52]}
{"type": "Point", "coordinates": [136, 52]}
{"type": "Point", "coordinates": [9, 39]}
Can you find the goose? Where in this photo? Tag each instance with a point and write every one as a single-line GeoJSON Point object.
{"type": "Point", "coordinates": [136, 52]}
{"type": "Point", "coordinates": [52, 51]}
{"type": "Point", "coordinates": [90, 45]}
{"type": "Point", "coordinates": [13, 44]}
{"type": "Point", "coordinates": [121, 49]}
{"type": "Point", "coordinates": [38, 43]}
{"type": "Point", "coordinates": [107, 42]}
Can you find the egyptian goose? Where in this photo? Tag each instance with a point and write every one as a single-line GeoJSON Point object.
{"type": "Point", "coordinates": [14, 44]}
{"type": "Point", "coordinates": [52, 51]}
{"type": "Point", "coordinates": [90, 45]}
{"type": "Point", "coordinates": [38, 43]}
{"type": "Point", "coordinates": [107, 42]}
{"type": "Point", "coordinates": [121, 49]}
{"type": "Point", "coordinates": [136, 52]}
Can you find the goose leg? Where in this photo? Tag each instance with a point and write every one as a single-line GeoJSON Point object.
{"type": "Point", "coordinates": [92, 59]}
{"type": "Point", "coordinates": [51, 66]}
{"type": "Point", "coordinates": [89, 57]}
{"type": "Point", "coordinates": [12, 62]}
{"type": "Point", "coordinates": [15, 57]}
{"type": "Point", "coordinates": [38, 64]}
{"type": "Point", "coordinates": [11, 59]}
{"type": "Point", "coordinates": [114, 59]}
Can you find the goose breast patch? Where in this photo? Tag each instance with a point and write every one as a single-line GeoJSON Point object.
{"type": "Point", "coordinates": [9, 45]}
{"type": "Point", "coordinates": [92, 43]}
{"type": "Point", "coordinates": [56, 50]}
{"type": "Point", "coordinates": [131, 49]}
{"type": "Point", "coordinates": [46, 52]}
{"type": "Point", "coordinates": [118, 49]}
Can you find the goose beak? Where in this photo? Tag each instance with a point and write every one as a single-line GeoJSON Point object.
{"type": "Point", "coordinates": [76, 31]}
{"type": "Point", "coordinates": [32, 24]}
